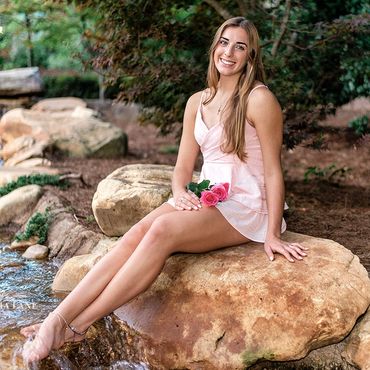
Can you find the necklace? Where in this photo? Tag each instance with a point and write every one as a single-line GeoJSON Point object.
{"type": "Point", "coordinates": [221, 107]}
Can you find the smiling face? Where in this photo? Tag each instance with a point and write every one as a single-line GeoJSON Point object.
{"type": "Point", "coordinates": [231, 53]}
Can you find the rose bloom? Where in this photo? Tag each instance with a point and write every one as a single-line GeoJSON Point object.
{"type": "Point", "coordinates": [208, 198]}
{"type": "Point", "coordinates": [221, 191]}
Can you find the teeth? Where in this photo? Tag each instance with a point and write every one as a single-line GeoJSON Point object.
{"type": "Point", "coordinates": [227, 62]}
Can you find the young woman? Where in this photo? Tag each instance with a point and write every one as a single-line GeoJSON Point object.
{"type": "Point", "coordinates": [237, 124]}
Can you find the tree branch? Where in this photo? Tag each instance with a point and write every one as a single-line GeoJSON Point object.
{"type": "Point", "coordinates": [242, 8]}
{"type": "Point", "coordinates": [219, 9]}
{"type": "Point", "coordinates": [283, 27]}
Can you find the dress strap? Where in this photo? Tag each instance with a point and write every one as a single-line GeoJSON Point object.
{"type": "Point", "coordinates": [256, 87]}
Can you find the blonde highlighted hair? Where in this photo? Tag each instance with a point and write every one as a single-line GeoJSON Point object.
{"type": "Point", "coordinates": [234, 123]}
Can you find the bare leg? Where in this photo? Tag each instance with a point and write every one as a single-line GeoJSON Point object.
{"type": "Point", "coordinates": [96, 280]}
{"type": "Point", "coordinates": [186, 231]}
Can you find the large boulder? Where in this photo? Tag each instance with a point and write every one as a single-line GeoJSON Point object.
{"type": "Point", "coordinates": [59, 104]}
{"type": "Point", "coordinates": [75, 134]}
{"type": "Point", "coordinates": [20, 143]}
{"type": "Point", "coordinates": [20, 81]}
{"type": "Point", "coordinates": [128, 194]}
{"type": "Point", "coordinates": [66, 236]}
{"type": "Point", "coordinates": [357, 351]}
{"type": "Point", "coordinates": [230, 308]}
{"type": "Point", "coordinates": [18, 203]}
{"type": "Point", "coordinates": [75, 268]}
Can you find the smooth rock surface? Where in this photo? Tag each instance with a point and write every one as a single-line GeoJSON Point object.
{"type": "Point", "coordinates": [357, 351]}
{"type": "Point", "coordinates": [18, 203]}
{"type": "Point", "coordinates": [24, 244]}
{"type": "Point", "coordinates": [34, 162]}
{"type": "Point", "coordinates": [36, 252]}
{"type": "Point", "coordinates": [58, 104]}
{"type": "Point", "coordinates": [36, 150]}
{"type": "Point", "coordinates": [20, 81]}
{"type": "Point", "coordinates": [75, 268]}
{"type": "Point", "coordinates": [230, 308]}
{"type": "Point", "coordinates": [128, 194]}
{"type": "Point", "coordinates": [21, 142]}
{"type": "Point", "coordinates": [8, 174]}
{"type": "Point", "coordinates": [75, 137]}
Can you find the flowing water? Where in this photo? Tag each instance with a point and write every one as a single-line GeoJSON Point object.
{"type": "Point", "coordinates": [26, 298]}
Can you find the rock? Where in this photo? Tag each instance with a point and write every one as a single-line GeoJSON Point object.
{"type": "Point", "coordinates": [58, 104]}
{"type": "Point", "coordinates": [76, 137]}
{"type": "Point", "coordinates": [36, 252]}
{"type": "Point", "coordinates": [128, 194]}
{"type": "Point", "coordinates": [20, 81]}
{"type": "Point", "coordinates": [80, 112]}
{"type": "Point", "coordinates": [23, 244]}
{"type": "Point", "coordinates": [21, 142]}
{"type": "Point", "coordinates": [34, 162]}
{"type": "Point", "coordinates": [75, 268]}
{"type": "Point", "coordinates": [230, 308]}
{"type": "Point", "coordinates": [18, 203]}
{"type": "Point", "coordinates": [357, 351]}
{"type": "Point", "coordinates": [66, 237]}
{"type": "Point", "coordinates": [36, 150]}
{"type": "Point", "coordinates": [8, 174]}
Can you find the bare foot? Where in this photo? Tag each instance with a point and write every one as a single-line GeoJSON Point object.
{"type": "Point", "coordinates": [32, 330]}
{"type": "Point", "coordinates": [50, 336]}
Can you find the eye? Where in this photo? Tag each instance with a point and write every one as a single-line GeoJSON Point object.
{"type": "Point", "coordinates": [223, 42]}
{"type": "Point", "coordinates": [240, 47]}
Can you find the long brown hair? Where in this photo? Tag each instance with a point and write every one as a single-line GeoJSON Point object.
{"type": "Point", "coordinates": [234, 124]}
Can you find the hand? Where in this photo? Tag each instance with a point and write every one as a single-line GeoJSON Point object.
{"type": "Point", "coordinates": [291, 251]}
{"type": "Point", "coordinates": [187, 200]}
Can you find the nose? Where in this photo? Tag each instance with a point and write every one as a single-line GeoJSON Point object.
{"type": "Point", "coordinates": [228, 50]}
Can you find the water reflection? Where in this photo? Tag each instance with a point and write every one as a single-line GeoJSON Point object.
{"type": "Point", "coordinates": [26, 298]}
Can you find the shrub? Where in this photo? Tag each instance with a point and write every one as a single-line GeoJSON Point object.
{"type": "Point", "coordinates": [360, 125]}
{"type": "Point", "coordinates": [37, 225]}
{"type": "Point", "coordinates": [85, 86]}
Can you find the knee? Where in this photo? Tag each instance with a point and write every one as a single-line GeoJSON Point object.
{"type": "Point", "coordinates": [134, 235]}
{"type": "Point", "coordinates": [162, 232]}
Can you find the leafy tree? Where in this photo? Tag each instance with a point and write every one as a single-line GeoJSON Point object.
{"type": "Point", "coordinates": [43, 33]}
{"type": "Point", "coordinates": [316, 53]}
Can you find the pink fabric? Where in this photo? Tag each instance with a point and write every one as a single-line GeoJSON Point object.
{"type": "Point", "coordinates": [246, 208]}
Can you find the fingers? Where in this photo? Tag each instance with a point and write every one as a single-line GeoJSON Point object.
{"type": "Point", "coordinates": [291, 251]}
{"type": "Point", "coordinates": [269, 253]}
{"type": "Point", "coordinates": [188, 201]}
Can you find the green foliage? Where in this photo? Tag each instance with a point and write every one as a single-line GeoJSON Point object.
{"type": "Point", "coordinates": [44, 33]}
{"type": "Point", "coordinates": [360, 125]}
{"type": "Point", "coordinates": [85, 86]}
{"type": "Point", "coordinates": [37, 225]}
{"type": "Point", "coordinates": [157, 53]}
{"type": "Point", "coordinates": [329, 173]}
{"type": "Point", "coordinates": [37, 179]}
{"type": "Point", "coordinates": [197, 188]}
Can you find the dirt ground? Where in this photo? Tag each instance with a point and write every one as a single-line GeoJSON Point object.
{"type": "Point", "coordinates": [335, 207]}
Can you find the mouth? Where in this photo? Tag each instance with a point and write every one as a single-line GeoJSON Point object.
{"type": "Point", "coordinates": [227, 62]}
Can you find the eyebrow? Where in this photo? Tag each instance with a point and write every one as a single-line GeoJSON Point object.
{"type": "Point", "coordinates": [238, 42]}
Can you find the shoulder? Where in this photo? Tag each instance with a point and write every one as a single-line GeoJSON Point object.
{"type": "Point", "coordinates": [194, 100]}
{"type": "Point", "coordinates": [262, 103]}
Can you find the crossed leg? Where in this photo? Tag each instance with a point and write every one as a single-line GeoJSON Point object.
{"type": "Point", "coordinates": [170, 231]}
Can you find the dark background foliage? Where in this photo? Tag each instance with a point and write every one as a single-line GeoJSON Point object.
{"type": "Point", "coordinates": [155, 53]}
{"type": "Point", "coordinates": [316, 53]}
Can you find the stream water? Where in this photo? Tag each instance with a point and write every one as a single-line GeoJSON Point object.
{"type": "Point", "coordinates": [26, 298]}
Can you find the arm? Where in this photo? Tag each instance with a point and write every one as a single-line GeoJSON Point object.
{"type": "Point", "coordinates": [265, 114]}
{"type": "Point", "coordinates": [188, 152]}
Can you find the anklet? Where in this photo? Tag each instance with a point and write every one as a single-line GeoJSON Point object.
{"type": "Point", "coordinates": [72, 328]}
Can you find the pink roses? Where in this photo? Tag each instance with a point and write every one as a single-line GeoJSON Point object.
{"type": "Point", "coordinates": [217, 193]}
{"type": "Point", "coordinates": [209, 195]}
